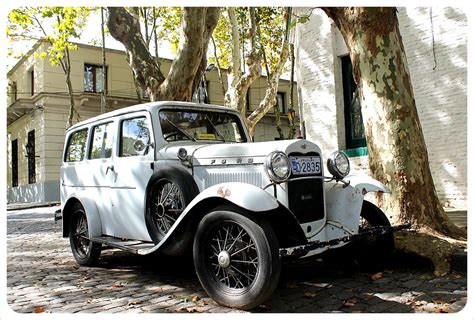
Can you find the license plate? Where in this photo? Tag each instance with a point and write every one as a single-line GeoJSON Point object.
{"type": "Point", "coordinates": [305, 165]}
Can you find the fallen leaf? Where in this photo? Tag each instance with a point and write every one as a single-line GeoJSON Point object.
{"type": "Point", "coordinates": [418, 303]}
{"type": "Point", "coordinates": [291, 285]}
{"type": "Point", "coordinates": [191, 309]}
{"type": "Point", "coordinates": [39, 309]}
{"type": "Point", "coordinates": [444, 309]}
{"type": "Point", "coordinates": [195, 299]}
{"type": "Point", "coordinates": [202, 303]}
{"type": "Point", "coordinates": [117, 285]}
{"type": "Point", "coordinates": [377, 276]}
{"type": "Point", "coordinates": [350, 302]}
{"type": "Point", "coordinates": [437, 301]}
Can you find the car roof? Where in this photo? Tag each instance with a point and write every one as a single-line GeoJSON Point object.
{"type": "Point", "coordinates": [150, 105]}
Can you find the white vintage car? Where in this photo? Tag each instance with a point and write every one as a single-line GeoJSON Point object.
{"type": "Point", "coordinates": [182, 178]}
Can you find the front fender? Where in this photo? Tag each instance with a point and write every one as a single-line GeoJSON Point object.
{"type": "Point", "coordinates": [241, 194]}
{"type": "Point", "coordinates": [366, 183]}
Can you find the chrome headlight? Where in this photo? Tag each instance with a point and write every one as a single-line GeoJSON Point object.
{"type": "Point", "coordinates": [338, 164]}
{"type": "Point", "coordinates": [277, 166]}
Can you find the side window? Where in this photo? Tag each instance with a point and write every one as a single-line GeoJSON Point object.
{"type": "Point", "coordinates": [101, 141]}
{"type": "Point", "coordinates": [76, 147]}
{"type": "Point", "coordinates": [134, 137]}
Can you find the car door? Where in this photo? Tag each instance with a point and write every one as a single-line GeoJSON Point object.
{"type": "Point", "coordinates": [98, 177]}
{"type": "Point", "coordinates": [133, 167]}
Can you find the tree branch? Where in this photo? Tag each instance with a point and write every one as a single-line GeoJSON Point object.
{"type": "Point", "coordinates": [126, 28]}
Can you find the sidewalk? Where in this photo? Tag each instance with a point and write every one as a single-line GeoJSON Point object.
{"type": "Point", "coordinates": [30, 205]}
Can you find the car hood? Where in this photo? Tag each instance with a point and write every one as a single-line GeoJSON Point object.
{"type": "Point", "coordinates": [257, 151]}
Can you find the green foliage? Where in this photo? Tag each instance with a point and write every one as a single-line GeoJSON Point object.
{"type": "Point", "coordinates": [269, 34]}
{"type": "Point", "coordinates": [168, 25]}
{"type": "Point", "coordinates": [164, 21]}
{"type": "Point", "coordinates": [55, 25]}
{"type": "Point", "coordinates": [222, 37]}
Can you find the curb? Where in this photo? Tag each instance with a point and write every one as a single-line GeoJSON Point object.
{"type": "Point", "coordinates": [30, 205]}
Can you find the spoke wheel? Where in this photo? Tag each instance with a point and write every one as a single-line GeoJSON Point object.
{"type": "Point", "coordinates": [236, 258]}
{"type": "Point", "coordinates": [232, 254]}
{"type": "Point", "coordinates": [168, 204]}
{"type": "Point", "coordinates": [84, 251]}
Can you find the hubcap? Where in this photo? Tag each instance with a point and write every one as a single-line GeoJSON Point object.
{"type": "Point", "coordinates": [232, 256]}
{"type": "Point", "coordinates": [160, 210]}
{"type": "Point", "coordinates": [224, 259]}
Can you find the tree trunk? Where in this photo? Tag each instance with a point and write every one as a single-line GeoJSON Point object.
{"type": "Point", "coordinates": [292, 132]}
{"type": "Point", "coordinates": [269, 100]}
{"type": "Point", "coordinates": [397, 150]}
{"type": "Point", "coordinates": [238, 83]}
{"type": "Point", "coordinates": [72, 105]}
{"type": "Point", "coordinates": [197, 25]}
{"type": "Point", "coordinates": [66, 66]}
{"type": "Point", "coordinates": [103, 95]}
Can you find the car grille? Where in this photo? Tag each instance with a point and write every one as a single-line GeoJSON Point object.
{"type": "Point", "coordinates": [217, 176]}
{"type": "Point", "coordinates": [306, 196]}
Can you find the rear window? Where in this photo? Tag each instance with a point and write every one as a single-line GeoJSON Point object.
{"type": "Point", "coordinates": [76, 147]}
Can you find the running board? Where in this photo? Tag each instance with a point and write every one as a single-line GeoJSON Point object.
{"type": "Point", "coordinates": [124, 244]}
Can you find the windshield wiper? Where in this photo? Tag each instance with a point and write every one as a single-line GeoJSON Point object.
{"type": "Point", "coordinates": [215, 128]}
{"type": "Point", "coordinates": [187, 135]}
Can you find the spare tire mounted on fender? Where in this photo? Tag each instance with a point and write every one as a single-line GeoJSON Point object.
{"type": "Point", "coordinates": [169, 191]}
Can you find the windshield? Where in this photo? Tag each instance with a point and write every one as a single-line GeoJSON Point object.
{"type": "Point", "coordinates": [178, 125]}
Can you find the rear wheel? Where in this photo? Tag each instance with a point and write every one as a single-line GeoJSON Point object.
{"type": "Point", "coordinates": [236, 259]}
{"type": "Point", "coordinates": [84, 251]}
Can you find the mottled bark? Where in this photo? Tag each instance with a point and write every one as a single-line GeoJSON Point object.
{"type": "Point", "coordinates": [197, 24]}
{"type": "Point", "coordinates": [397, 150]}
{"type": "Point", "coordinates": [238, 82]}
{"type": "Point", "coordinates": [269, 100]}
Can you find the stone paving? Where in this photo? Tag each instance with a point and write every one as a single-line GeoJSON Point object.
{"type": "Point", "coordinates": [42, 276]}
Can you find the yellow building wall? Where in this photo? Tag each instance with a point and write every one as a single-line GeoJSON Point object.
{"type": "Point", "coordinates": [49, 123]}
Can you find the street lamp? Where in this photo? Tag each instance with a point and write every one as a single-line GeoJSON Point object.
{"type": "Point", "coordinates": [29, 148]}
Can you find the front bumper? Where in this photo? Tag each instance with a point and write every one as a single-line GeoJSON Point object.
{"type": "Point", "coordinates": [302, 250]}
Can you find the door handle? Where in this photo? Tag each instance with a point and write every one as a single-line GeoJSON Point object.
{"type": "Point", "coordinates": [111, 169]}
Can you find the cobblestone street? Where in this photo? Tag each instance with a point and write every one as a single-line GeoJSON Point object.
{"type": "Point", "coordinates": [42, 276]}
